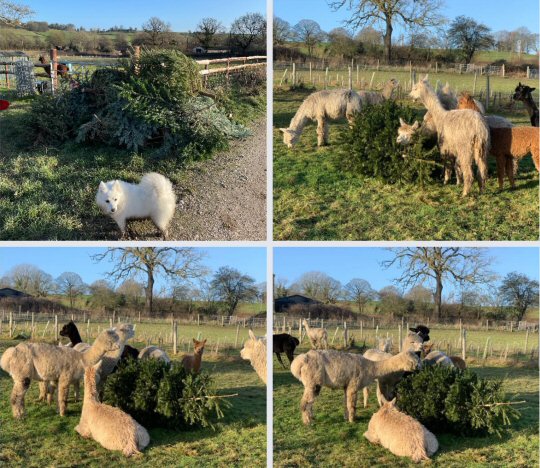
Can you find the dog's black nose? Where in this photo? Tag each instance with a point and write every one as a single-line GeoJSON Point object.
{"type": "Point", "coordinates": [113, 210]}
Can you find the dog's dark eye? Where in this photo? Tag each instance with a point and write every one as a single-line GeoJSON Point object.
{"type": "Point", "coordinates": [116, 199]}
{"type": "Point", "coordinates": [107, 201]}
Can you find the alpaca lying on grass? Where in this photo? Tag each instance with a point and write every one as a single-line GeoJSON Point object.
{"type": "Point", "coordinates": [153, 352]}
{"type": "Point", "coordinates": [109, 426]}
{"type": "Point", "coordinates": [403, 435]}
{"type": "Point", "coordinates": [338, 370]}
{"type": "Point", "coordinates": [318, 337]}
{"type": "Point", "coordinates": [284, 343]}
{"type": "Point", "coordinates": [50, 363]}
{"type": "Point", "coordinates": [434, 357]}
{"type": "Point", "coordinates": [193, 363]}
{"type": "Point", "coordinates": [254, 351]}
{"type": "Point", "coordinates": [463, 135]}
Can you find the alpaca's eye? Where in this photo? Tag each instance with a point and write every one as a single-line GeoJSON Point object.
{"type": "Point", "coordinates": [107, 201]}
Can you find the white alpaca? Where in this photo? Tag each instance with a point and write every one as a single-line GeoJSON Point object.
{"type": "Point", "coordinates": [375, 97]}
{"type": "Point", "coordinates": [152, 198]}
{"type": "Point", "coordinates": [318, 337]}
{"type": "Point", "coordinates": [338, 370]}
{"type": "Point", "coordinates": [111, 427]}
{"type": "Point", "coordinates": [50, 363]}
{"type": "Point", "coordinates": [153, 352]}
{"type": "Point", "coordinates": [254, 351]}
{"type": "Point", "coordinates": [437, 358]}
{"type": "Point", "coordinates": [320, 107]}
{"type": "Point", "coordinates": [403, 435]}
{"type": "Point", "coordinates": [463, 136]}
{"type": "Point", "coordinates": [449, 100]}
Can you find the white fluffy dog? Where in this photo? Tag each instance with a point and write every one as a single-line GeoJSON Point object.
{"type": "Point", "coordinates": [152, 198]}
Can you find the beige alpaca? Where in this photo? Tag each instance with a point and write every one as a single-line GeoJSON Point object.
{"type": "Point", "coordinates": [350, 372]}
{"type": "Point", "coordinates": [403, 435]}
{"type": "Point", "coordinates": [320, 107]}
{"type": "Point", "coordinates": [462, 134]}
{"type": "Point", "coordinates": [384, 344]}
{"type": "Point", "coordinates": [375, 97]}
{"type": "Point", "coordinates": [254, 351]}
{"type": "Point", "coordinates": [50, 363]}
{"type": "Point", "coordinates": [153, 352]}
{"type": "Point", "coordinates": [318, 337]}
{"type": "Point", "coordinates": [193, 363]}
{"type": "Point", "coordinates": [109, 426]}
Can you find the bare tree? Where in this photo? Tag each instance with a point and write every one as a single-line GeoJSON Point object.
{"type": "Point", "coordinates": [247, 30]}
{"type": "Point", "coordinates": [12, 13]}
{"type": "Point", "coordinates": [206, 30]}
{"type": "Point", "coordinates": [319, 285]}
{"type": "Point", "coordinates": [282, 31]}
{"type": "Point", "coordinates": [232, 287]}
{"type": "Point", "coordinates": [71, 285]}
{"type": "Point", "coordinates": [133, 291]}
{"type": "Point", "coordinates": [438, 265]}
{"type": "Point", "coordinates": [281, 288]}
{"type": "Point", "coordinates": [520, 292]}
{"type": "Point", "coordinates": [361, 292]}
{"type": "Point", "coordinates": [310, 33]}
{"type": "Point", "coordinates": [157, 31]}
{"type": "Point", "coordinates": [423, 13]}
{"type": "Point", "coordinates": [149, 262]}
{"type": "Point", "coordinates": [30, 279]}
{"type": "Point", "coordinates": [469, 36]}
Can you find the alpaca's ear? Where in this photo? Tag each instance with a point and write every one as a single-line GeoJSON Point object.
{"type": "Point", "coordinates": [393, 401]}
{"type": "Point", "coordinates": [102, 186]}
{"type": "Point", "coordinates": [204, 341]}
{"type": "Point", "coordinates": [416, 125]}
{"type": "Point", "coordinates": [426, 77]}
{"type": "Point", "coordinates": [252, 335]}
{"type": "Point", "coordinates": [531, 89]}
{"type": "Point", "coordinates": [194, 341]}
{"type": "Point", "coordinates": [97, 367]}
{"type": "Point", "coordinates": [401, 122]}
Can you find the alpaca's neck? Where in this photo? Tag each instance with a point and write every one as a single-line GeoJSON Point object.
{"type": "Point", "coordinates": [299, 121]}
{"type": "Point", "coordinates": [75, 337]}
{"type": "Point", "coordinates": [197, 359]}
{"type": "Point", "coordinates": [387, 91]}
{"type": "Point", "coordinates": [385, 367]}
{"type": "Point", "coordinates": [93, 355]}
{"type": "Point", "coordinates": [530, 105]}
{"type": "Point", "coordinates": [433, 105]}
{"type": "Point", "coordinates": [90, 389]}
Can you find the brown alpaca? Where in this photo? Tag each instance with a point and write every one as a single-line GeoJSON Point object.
{"type": "Point", "coordinates": [193, 363]}
{"type": "Point", "coordinates": [458, 362]}
{"type": "Point", "coordinates": [466, 101]}
{"type": "Point", "coordinates": [512, 144]}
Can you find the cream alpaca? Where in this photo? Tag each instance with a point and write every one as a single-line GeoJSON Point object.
{"type": "Point", "coordinates": [437, 358]}
{"type": "Point", "coordinates": [403, 435]}
{"type": "Point", "coordinates": [193, 363]}
{"type": "Point", "coordinates": [109, 426]}
{"type": "Point", "coordinates": [320, 107]}
{"type": "Point", "coordinates": [337, 370]}
{"type": "Point", "coordinates": [153, 352]}
{"type": "Point", "coordinates": [61, 365]}
{"type": "Point", "coordinates": [375, 97]}
{"type": "Point", "coordinates": [462, 134]}
{"type": "Point", "coordinates": [254, 351]}
{"type": "Point", "coordinates": [318, 337]}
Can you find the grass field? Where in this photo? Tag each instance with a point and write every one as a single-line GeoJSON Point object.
{"type": "Point", "coordinates": [330, 441]}
{"type": "Point", "coordinates": [314, 200]}
{"type": "Point", "coordinates": [45, 439]}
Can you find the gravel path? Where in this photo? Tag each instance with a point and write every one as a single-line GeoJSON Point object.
{"type": "Point", "coordinates": [222, 198]}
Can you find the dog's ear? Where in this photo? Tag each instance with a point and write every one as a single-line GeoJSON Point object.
{"type": "Point", "coordinates": [116, 184]}
{"type": "Point", "coordinates": [102, 186]}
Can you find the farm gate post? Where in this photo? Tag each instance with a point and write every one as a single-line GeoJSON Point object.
{"type": "Point", "coordinates": [345, 335]}
{"type": "Point", "coordinates": [7, 74]}
{"type": "Point", "coordinates": [236, 337]}
{"type": "Point", "coordinates": [11, 324]}
{"type": "Point", "coordinates": [526, 340]}
{"type": "Point", "coordinates": [54, 69]}
{"type": "Point", "coordinates": [56, 328]}
{"type": "Point", "coordinates": [487, 91]}
{"type": "Point", "coordinates": [175, 337]}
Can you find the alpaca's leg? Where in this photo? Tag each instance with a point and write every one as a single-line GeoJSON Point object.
{"type": "Point", "coordinates": [280, 361]}
{"type": "Point", "coordinates": [290, 355]}
{"type": "Point", "coordinates": [76, 391]}
{"type": "Point", "coordinates": [501, 169]}
{"type": "Point", "coordinates": [83, 430]}
{"type": "Point", "coordinates": [326, 131]}
{"type": "Point", "coordinates": [43, 391]}
{"type": "Point", "coordinates": [352, 394]}
{"type": "Point", "coordinates": [320, 131]}
{"type": "Point", "coordinates": [468, 178]}
{"type": "Point", "coordinates": [366, 397]}
{"type": "Point", "coordinates": [63, 392]}
{"type": "Point", "coordinates": [306, 404]}
{"type": "Point", "coordinates": [20, 387]}
{"type": "Point", "coordinates": [51, 388]}
{"type": "Point", "coordinates": [509, 169]}
{"type": "Point", "coordinates": [481, 165]}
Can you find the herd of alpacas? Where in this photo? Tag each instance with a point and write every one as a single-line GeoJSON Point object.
{"type": "Point", "coordinates": [465, 134]}
{"type": "Point", "coordinates": [350, 372]}
{"type": "Point", "coordinates": [57, 367]}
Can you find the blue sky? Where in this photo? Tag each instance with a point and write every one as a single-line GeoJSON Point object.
{"type": "Point", "coordinates": [346, 263]}
{"type": "Point", "coordinates": [496, 14]}
{"type": "Point", "coordinates": [182, 14]}
{"type": "Point", "coordinates": [56, 260]}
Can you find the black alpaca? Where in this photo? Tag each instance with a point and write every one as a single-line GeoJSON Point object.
{"type": "Point", "coordinates": [70, 330]}
{"type": "Point", "coordinates": [421, 331]}
{"type": "Point", "coordinates": [285, 343]}
{"type": "Point", "coordinates": [523, 93]}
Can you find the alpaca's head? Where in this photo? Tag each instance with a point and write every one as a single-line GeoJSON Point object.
{"type": "Point", "coordinates": [290, 137]}
{"type": "Point", "coordinates": [406, 132]}
{"type": "Point", "coordinates": [422, 331]}
{"type": "Point", "coordinates": [420, 88]}
{"type": "Point", "coordinates": [413, 342]}
{"type": "Point", "coordinates": [198, 346]}
{"type": "Point", "coordinates": [124, 331]}
{"type": "Point", "coordinates": [388, 405]}
{"type": "Point", "coordinates": [252, 347]}
{"type": "Point", "coordinates": [108, 340]}
{"type": "Point", "coordinates": [68, 329]}
{"type": "Point", "coordinates": [522, 92]}
{"type": "Point", "coordinates": [466, 101]}
{"type": "Point", "coordinates": [411, 361]}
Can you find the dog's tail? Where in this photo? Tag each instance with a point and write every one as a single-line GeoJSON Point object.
{"type": "Point", "coordinates": [159, 184]}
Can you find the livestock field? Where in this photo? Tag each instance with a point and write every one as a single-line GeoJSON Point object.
{"type": "Point", "coordinates": [43, 438]}
{"type": "Point", "coordinates": [314, 199]}
{"type": "Point", "coordinates": [330, 441]}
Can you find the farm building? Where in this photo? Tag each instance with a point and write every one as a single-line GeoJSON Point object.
{"type": "Point", "coordinates": [283, 303]}
{"type": "Point", "coordinates": [198, 50]}
{"type": "Point", "coordinates": [10, 292]}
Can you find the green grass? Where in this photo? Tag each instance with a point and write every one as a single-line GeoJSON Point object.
{"type": "Point", "coordinates": [46, 439]}
{"type": "Point", "coordinates": [332, 442]}
{"type": "Point", "coordinates": [313, 200]}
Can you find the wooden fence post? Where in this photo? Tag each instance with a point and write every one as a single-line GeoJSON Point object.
{"type": "Point", "coordinates": [56, 328]}
{"type": "Point", "coordinates": [400, 344]}
{"type": "Point", "coordinates": [326, 78]}
{"type": "Point", "coordinates": [345, 335]}
{"type": "Point", "coordinates": [175, 337]}
{"type": "Point", "coordinates": [371, 82]}
{"type": "Point", "coordinates": [310, 77]}
{"type": "Point", "coordinates": [11, 324]}
{"type": "Point", "coordinates": [350, 78]}
{"type": "Point", "coordinates": [526, 340]}
{"type": "Point", "coordinates": [54, 69]}
{"type": "Point", "coordinates": [463, 344]}
{"type": "Point", "coordinates": [335, 333]}
{"type": "Point", "coordinates": [294, 74]}
{"type": "Point", "coordinates": [236, 337]}
{"type": "Point", "coordinates": [137, 57]}
{"type": "Point", "coordinates": [487, 91]}
{"type": "Point", "coordinates": [33, 325]}
{"type": "Point", "coordinates": [7, 75]}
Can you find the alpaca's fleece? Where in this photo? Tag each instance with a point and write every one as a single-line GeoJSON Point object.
{"type": "Point", "coordinates": [375, 97]}
{"type": "Point", "coordinates": [153, 352]}
{"type": "Point", "coordinates": [458, 362]}
{"type": "Point", "coordinates": [49, 363]}
{"type": "Point", "coordinates": [437, 358]}
{"type": "Point", "coordinates": [463, 135]}
{"type": "Point", "coordinates": [512, 144]}
{"type": "Point", "coordinates": [375, 355]}
{"type": "Point", "coordinates": [403, 435]}
{"type": "Point", "coordinates": [109, 426]}
{"type": "Point", "coordinates": [318, 337]}
{"type": "Point", "coordinates": [193, 363]}
{"type": "Point", "coordinates": [412, 342]}
{"type": "Point", "coordinates": [384, 344]}
{"type": "Point", "coordinates": [320, 107]}
{"type": "Point", "coordinates": [254, 351]}
{"type": "Point", "coordinates": [337, 370]}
